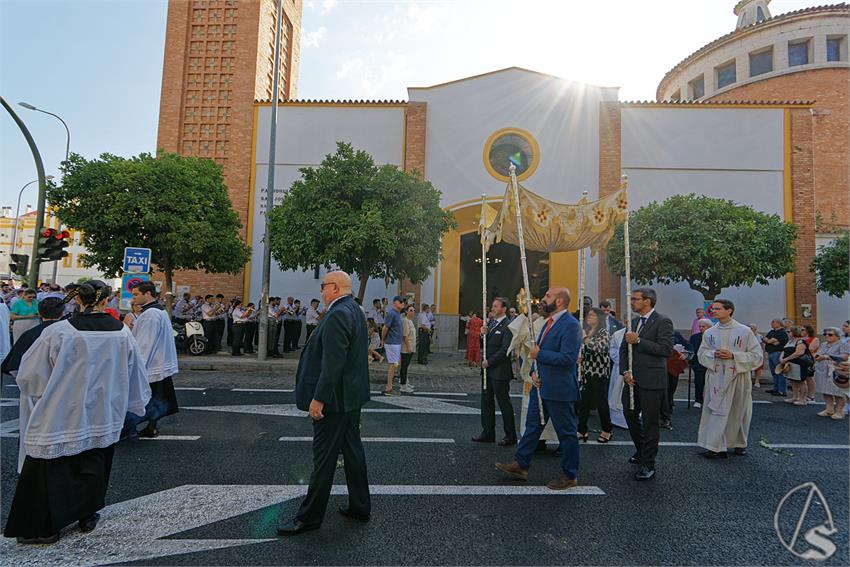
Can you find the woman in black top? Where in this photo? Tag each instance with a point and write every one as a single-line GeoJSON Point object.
{"type": "Point", "coordinates": [595, 373]}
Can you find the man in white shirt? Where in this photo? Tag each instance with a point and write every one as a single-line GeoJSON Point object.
{"type": "Point", "coordinates": [312, 318]}
{"type": "Point", "coordinates": [376, 313]}
{"type": "Point", "coordinates": [423, 342]}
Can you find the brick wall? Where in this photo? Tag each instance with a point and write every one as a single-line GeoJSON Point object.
{"type": "Point", "coordinates": [609, 182]}
{"type": "Point", "coordinates": [414, 160]}
{"type": "Point", "coordinates": [216, 62]}
{"type": "Point", "coordinates": [803, 187]}
{"type": "Point", "coordinates": [828, 88]}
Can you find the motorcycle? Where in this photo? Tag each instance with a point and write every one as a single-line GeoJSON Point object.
{"type": "Point", "coordinates": [189, 337]}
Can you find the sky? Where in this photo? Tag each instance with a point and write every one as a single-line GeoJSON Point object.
{"type": "Point", "coordinates": [98, 63]}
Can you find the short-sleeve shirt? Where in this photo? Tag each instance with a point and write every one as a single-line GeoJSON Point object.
{"type": "Point", "coordinates": [393, 324]}
{"type": "Point", "coordinates": [21, 309]}
{"type": "Point", "coordinates": [781, 336]}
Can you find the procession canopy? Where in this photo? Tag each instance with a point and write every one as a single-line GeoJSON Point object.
{"type": "Point", "coordinates": [555, 227]}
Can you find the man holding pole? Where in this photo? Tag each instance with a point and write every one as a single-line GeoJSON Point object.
{"type": "Point", "coordinates": [496, 367]}
{"type": "Point", "coordinates": [555, 353]}
{"type": "Point", "coordinates": [645, 370]}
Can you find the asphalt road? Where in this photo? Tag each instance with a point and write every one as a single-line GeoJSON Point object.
{"type": "Point", "coordinates": [212, 488]}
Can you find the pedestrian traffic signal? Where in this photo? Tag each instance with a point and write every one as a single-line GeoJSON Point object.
{"type": "Point", "coordinates": [52, 244]}
{"type": "Point", "coordinates": [19, 264]}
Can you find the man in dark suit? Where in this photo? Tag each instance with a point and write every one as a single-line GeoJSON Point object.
{"type": "Point", "coordinates": [611, 323]}
{"type": "Point", "coordinates": [499, 375]}
{"type": "Point", "coordinates": [555, 353]}
{"type": "Point", "coordinates": [651, 337]}
{"type": "Point", "coordinates": [332, 383]}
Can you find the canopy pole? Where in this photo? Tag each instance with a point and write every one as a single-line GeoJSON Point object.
{"type": "Point", "coordinates": [483, 295]}
{"type": "Point", "coordinates": [624, 183]}
{"type": "Point", "coordinates": [582, 274]}
{"type": "Point", "coordinates": [525, 275]}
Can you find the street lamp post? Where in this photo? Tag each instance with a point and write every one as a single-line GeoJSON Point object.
{"type": "Point", "coordinates": [18, 213]}
{"type": "Point", "coordinates": [29, 106]}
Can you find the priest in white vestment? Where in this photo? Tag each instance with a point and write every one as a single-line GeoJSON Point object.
{"type": "Point", "coordinates": [616, 384]}
{"type": "Point", "coordinates": [730, 352]}
{"type": "Point", "coordinates": [5, 338]}
{"type": "Point", "coordinates": [155, 336]}
{"type": "Point", "coordinates": [521, 347]}
{"type": "Point", "coordinates": [77, 381]}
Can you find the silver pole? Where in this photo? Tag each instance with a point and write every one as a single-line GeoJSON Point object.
{"type": "Point", "coordinates": [525, 274]}
{"type": "Point", "coordinates": [582, 265]}
{"type": "Point", "coordinates": [483, 295]}
{"type": "Point", "coordinates": [262, 339]}
{"type": "Point", "coordinates": [18, 214]}
{"type": "Point", "coordinates": [624, 183]}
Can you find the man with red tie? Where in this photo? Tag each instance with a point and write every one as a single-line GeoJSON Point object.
{"type": "Point", "coordinates": [555, 353]}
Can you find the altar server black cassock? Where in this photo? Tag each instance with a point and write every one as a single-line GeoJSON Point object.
{"type": "Point", "coordinates": [153, 332]}
{"type": "Point", "coordinates": [332, 383]}
{"type": "Point", "coordinates": [77, 382]}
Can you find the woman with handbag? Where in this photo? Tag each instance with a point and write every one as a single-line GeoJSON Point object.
{"type": "Point", "coordinates": [798, 363]}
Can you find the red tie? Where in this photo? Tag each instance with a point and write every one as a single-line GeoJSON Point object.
{"type": "Point", "coordinates": [549, 322]}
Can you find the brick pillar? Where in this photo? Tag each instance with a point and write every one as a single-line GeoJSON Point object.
{"type": "Point", "coordinates": [414, 160]}
{"type": "Point", "coordinates": [803, 191]}
{"type": "Point", "coordinates": [609, 182]}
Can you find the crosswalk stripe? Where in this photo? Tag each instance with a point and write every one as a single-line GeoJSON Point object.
{"type": "Point", "coordinates": [262, 390]}
{"type": "Point", "coordinates": [691, 444]}
{"type": "Point", "coordinates": [441, 394]}
{"type": "Point", "coordinates": [172, 438]}
{"type": "Point", "coordinates": [188, 389]}
{"type": "Point", "coordinates": [382, 439]}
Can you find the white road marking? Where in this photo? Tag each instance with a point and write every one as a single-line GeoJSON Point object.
{"type": "Point", "coordinates": [188, 389]}
{"type": "Point", "coordinates": [440, 394]}
{"type": "Point", "coordinates": [383, 439]}
{"type": "Point", "coordinates": [172, 438]}
{"type": "Point", "coordinates": [10, 428]}
{"type": "Point", "coordinates": [136, 530]}
{"type": "Point", "coordinates": [11, 386]}
{"type": "Point", "coordinates": [9, 402]}
{"type": "Point", "coordinates": [404, 404]}
{"type": "Point", "coordinates": [690, 444]}
{"type": "Point", "coordinates": [684, 400]}
{"type": "Point", "coordinates": [260, 390]}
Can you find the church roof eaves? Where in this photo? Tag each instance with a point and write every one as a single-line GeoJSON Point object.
{"type": "Point", "coordinates": [802, 103]}
{"type": "Point", "coordinates": [334, 102]}
{"type": "Point", "coordinates": [842, 7]}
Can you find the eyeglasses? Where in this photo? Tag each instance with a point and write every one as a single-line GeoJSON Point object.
{"type": "Point", "coordinates": [636, 298]}
{"type": "Point", "coordinates": [323, 284]}
{"type": "Point", "coordinates": [830, 334]}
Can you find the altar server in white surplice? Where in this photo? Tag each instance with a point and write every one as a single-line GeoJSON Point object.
{"type": "Point", "coordinates": [615, 385]}
{"type": "Point", "coordinates": [78, 381]}
{"type": "Point", "coordinates": [153, 331]}
{"type": "Point", "coordinates": [5, 338]}
{"type": "Point", "coordinates": [730, 352]}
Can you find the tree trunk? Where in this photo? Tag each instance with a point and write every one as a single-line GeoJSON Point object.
{"type": "Point", "coordinates": [364, 279]}
{"type": "Point", "coordinates": [169, 296]}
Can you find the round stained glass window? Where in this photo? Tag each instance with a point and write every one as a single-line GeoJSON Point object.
{"type": "Point", "coordinates": [511, 146]}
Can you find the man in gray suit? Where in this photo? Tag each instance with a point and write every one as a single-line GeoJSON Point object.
{"type": "Point", "coordinates": [651, 337]}
{"type": "Point", "coordinates": [332, 383]}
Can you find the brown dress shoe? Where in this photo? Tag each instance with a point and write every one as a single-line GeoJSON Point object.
{"type": "Point", "coordinates": [563, 482]}
{"type": "Point", "coordinates": [513, 470]}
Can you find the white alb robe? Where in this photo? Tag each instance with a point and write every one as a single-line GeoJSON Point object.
{"type": "Point", "coordinates": [728, 400]}
{"type": "Point", "coordinates": [521, 346]}
{"type": "Point", "coordinates": [76, 389]}
{"type": "Point", "coordinates": [5, 339]}
{"type": "Point", "coordinates": [616, 384]}
{"type": "Point", "coordinates": [152, 330]}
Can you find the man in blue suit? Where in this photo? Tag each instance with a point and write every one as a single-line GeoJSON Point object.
{"type": "Point", "coordinates": [556, 353]}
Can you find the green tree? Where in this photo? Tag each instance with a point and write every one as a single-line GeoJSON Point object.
{"type": "Point", "coordinates": [711, 244]}
{"type": "Point", "coordinates": [373, 221]}
{"type": "Point", "coordinates": [176, 206]}
{"type": "Point", "coordinates": [832, 266]}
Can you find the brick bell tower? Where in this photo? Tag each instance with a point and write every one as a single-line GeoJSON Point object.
{"type": "Point", "coordinates": [219, 58]}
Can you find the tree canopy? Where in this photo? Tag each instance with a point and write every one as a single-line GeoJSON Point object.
{"type": "Point", "coordinates": [176, 206]}
{"type": "Point", "coordinates": [832, 266]}
{"type": "Point", "coordinates": [712, 244]}
{"type": "Point", "coordinates": [373, 221]}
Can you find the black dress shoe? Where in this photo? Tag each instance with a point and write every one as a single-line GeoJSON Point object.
{"type": "Point", "coordinates": [149, 432]}
{"type": "Point", "coordinates": [297, 527]}
{"type": "Point", "coordinates": [507, 442]}
{"type": "Point", "coordinates": [483, 439]}
{"type": "Point", "coordinates": [541, 447]}
{"type": "Point", "coordinates": [634, 460]}
{"type": "Point", "coordinates": [668, 425]}
{"type": "Point", "coordinates": [713, 455]}
{"type": "Point", "coordinates": [739, 452]}
{"type": "Point", "coordinates": [354, 515]}
{"type": "Point", "coordinates": [88, 524]}
{"type": "Point", "coordinates": [645, 473]}
{"type": "Point", "coordinates": [38, 540]}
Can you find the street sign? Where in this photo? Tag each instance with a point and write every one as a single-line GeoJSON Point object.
{"type": "Point", "coordinates": [127, 283]}
{"type": "Point", "coordinates": [137, 260]}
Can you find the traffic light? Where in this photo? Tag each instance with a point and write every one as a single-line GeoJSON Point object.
{"type": "Point", "coordinates": [52, 244]}
{"type": "Point", "coordinates": [20, 264]}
